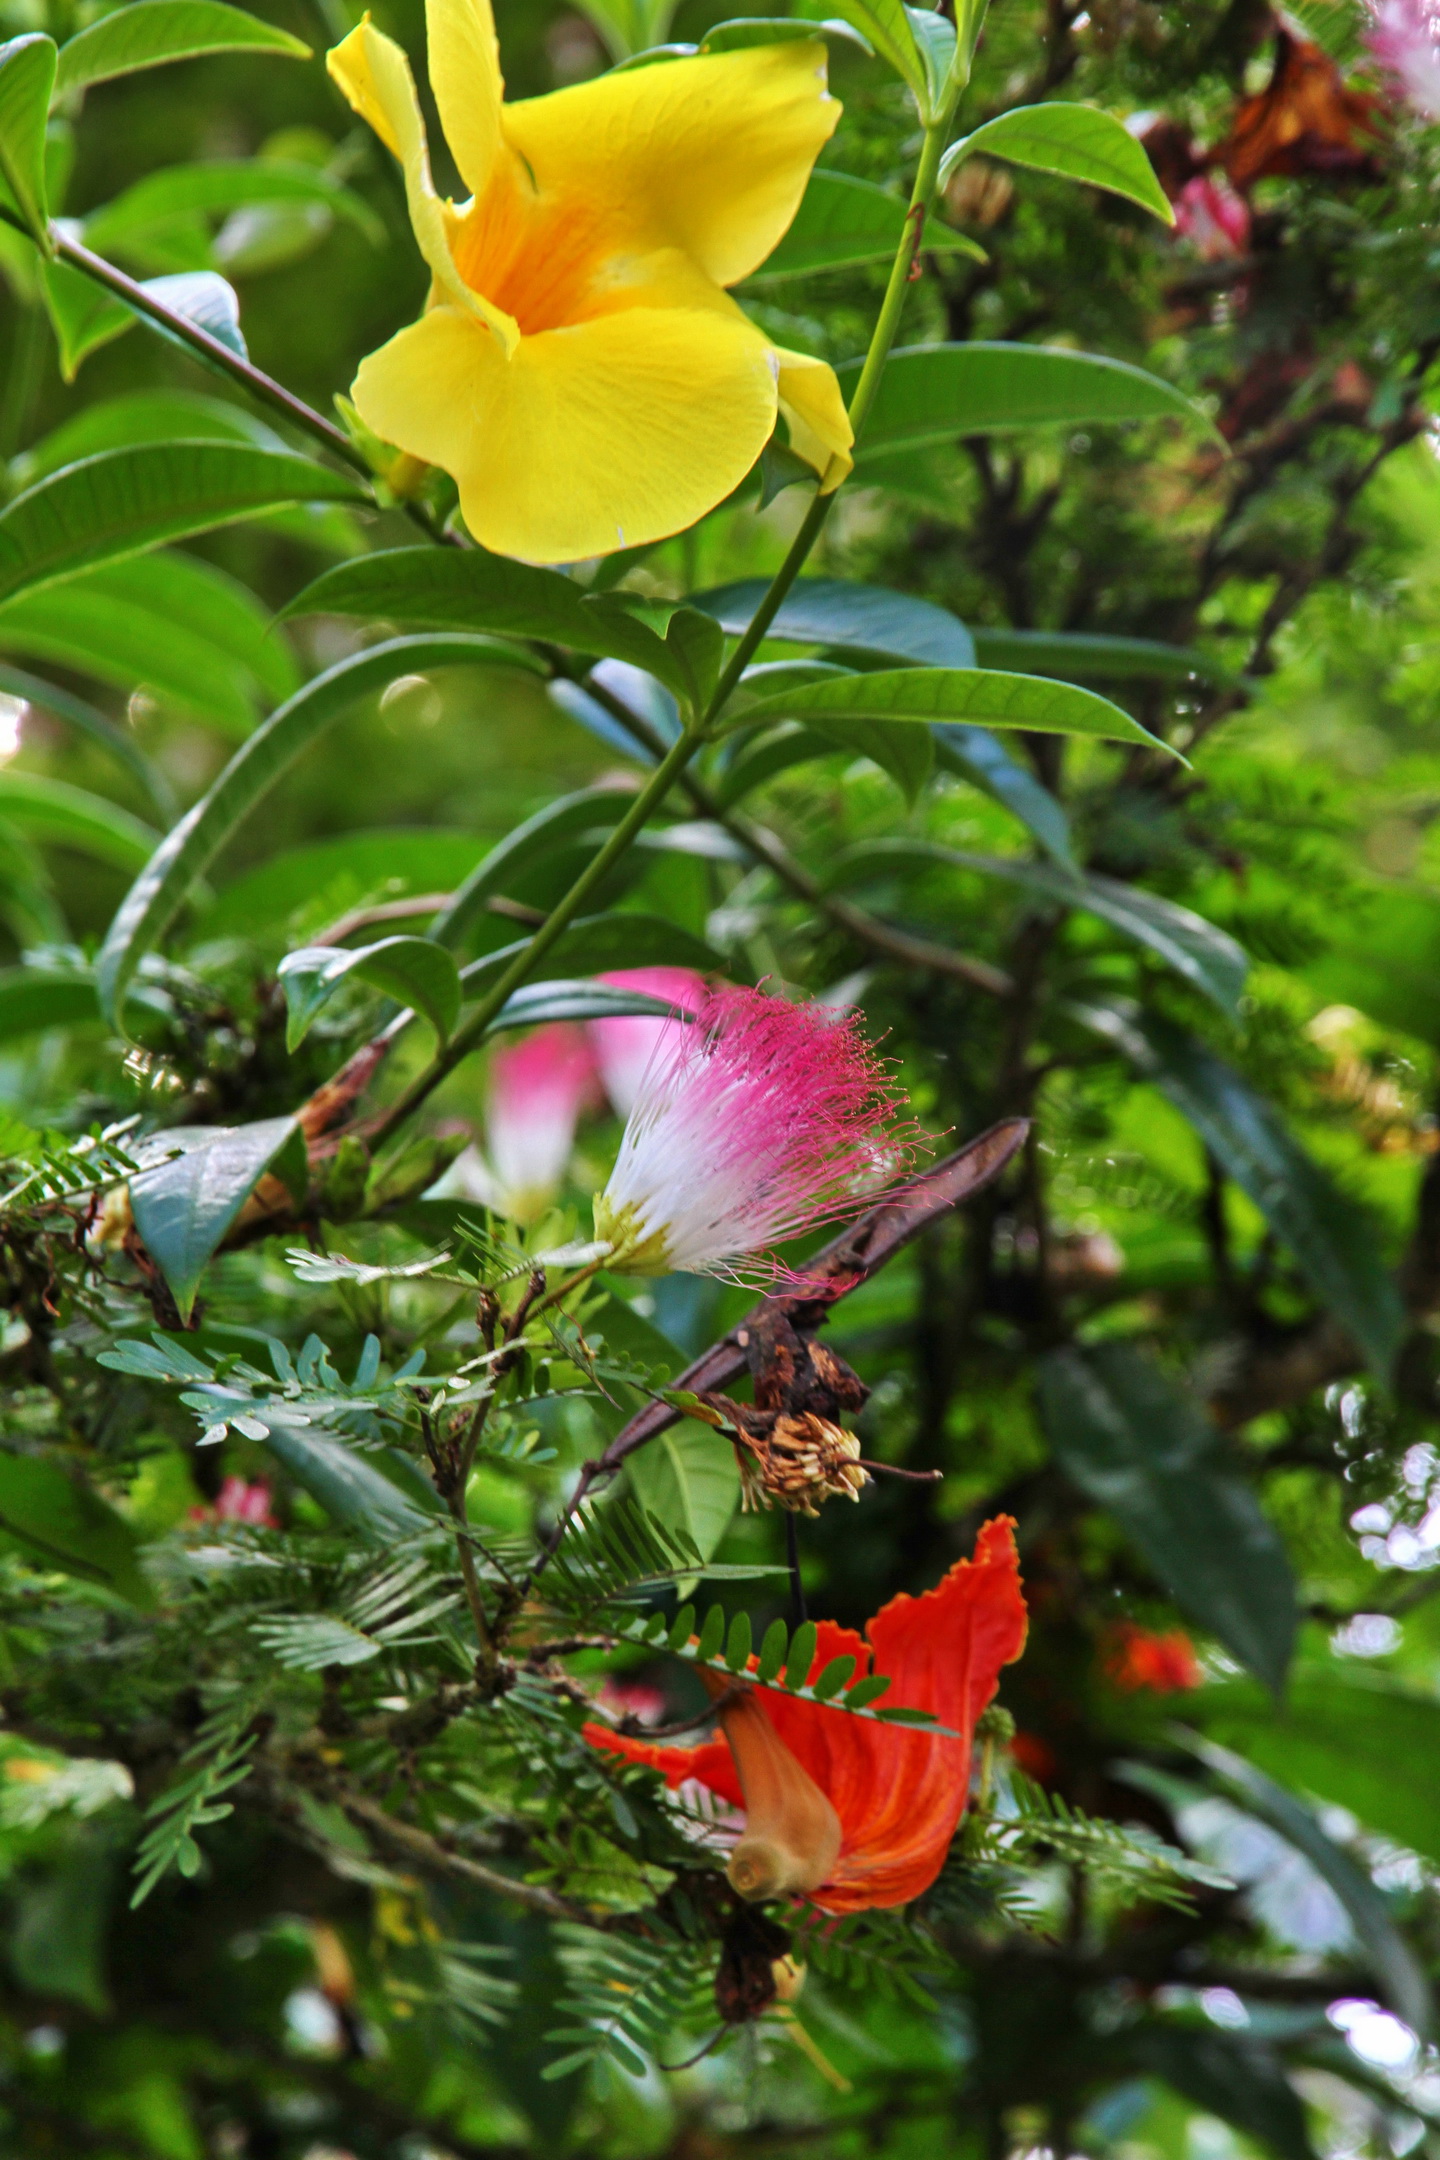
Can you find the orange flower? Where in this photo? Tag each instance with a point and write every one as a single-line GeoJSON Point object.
{"type": "Point", "coordinates": [1141, 1661]}
{"type": "Point", "coordinates": [846, 1810]}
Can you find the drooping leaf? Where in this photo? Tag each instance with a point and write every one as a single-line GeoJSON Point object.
{"type": "Point", "coordinates": [412, 969]}
{"type": "Point", "coordinates": [147, 33]}
{"type": "Point", "coordinates": [125, 501]}
{"type": "Point", "coordinates": [941, 393]}
{"type": "Point", "coordinates": [470, 590]}
{"type": "Point", "coordinates": [1072, 653]}
{"type": "Point", "coordinates": [1195, 948]}
{"type": "Point", "coordinates": [1358, 1739]}
{"type": "Point", "coordinates": [1330, 1235]}
{"type": "Point", "coordinates": [27, 72]}
{"type": "Point", "coordinates": [183, 1208]}
{"type": "Point", "coordinates": [73, 817]}
{"type": "Point", "coordinates": [1395, 1965]}
{"type": "Point", "coordinates": [75, 712]}
{"type": "Point", "coordinates": [1229, 2075]}
{"type": "Point", "coordinates": [843, 222]}
{"type": "Point", "coordinates": [857, 618]}
{"type": "Point", "coordinates": [1148, 1454]}
{"type": "Point", "coordinates": [160, 892]}
{"type": "Point", "coordinates": [1077, 141]}
{"type": "Point", "coordinates": [62, 1524]}
{"type": "Point", "coordinates": [910, 695]}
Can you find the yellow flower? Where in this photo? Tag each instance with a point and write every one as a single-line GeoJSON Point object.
{"type": "Point", "coordinates": [579, 369]}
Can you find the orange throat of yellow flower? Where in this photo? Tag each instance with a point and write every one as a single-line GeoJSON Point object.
{"type": "Point", "coordinates": [792, 1832]}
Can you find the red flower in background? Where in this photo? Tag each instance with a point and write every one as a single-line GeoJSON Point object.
{"type": "Point", "coordinates": [847, 1811]}
{"type": "Point", "coordinates": [239, 1501]}
{"type": "Point", "coordinates": [1141, 1661]}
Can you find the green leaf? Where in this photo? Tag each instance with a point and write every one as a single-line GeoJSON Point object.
{"type": "Point", "coordinates": [843, 222]}
{"type": "Point", "coordinates": [66, 816]}
{"type": "Point", "coordinates": [987, 764]}
{"type": "Point", "coordinates": [1070, 654]}
{"type": "Point", "coordinates": [31, 1001]}
{"type": "Point", "coordinates": [594, 944]}
{"type": "Point", "coordinates": [64, 705]}
{"type": "Point", "coordinates": [589, 810]}
{"type": "Point", "coordinates": [411, 969]}
{"type": "Point", "coordinates": [832, 1678]}
{"type": "Point", "coordinates": [1330, 1234]}
{"type": "Point", "coordinates": [222, 184]}
{"type": "Point", "coordinates": [630, 26]}
{"type": "Point", "coordinates": [125, 501]}
{"type": "Point", "coordinates": [1148, 1454]}
{"type": "Point", "coordinates": [148, 33]}
{"type": "Point", "coordinates": [326, 878]}
{"type": "Point", "coordinates": [205, 299]}
{"type": "Point", "coordinates": [1195, 948]}
{"type": "Point", "coordinates": [167, 624]}
{"type": "Point", "coordinates": [1079, 142]}
{"type": "Point", "coordinates": [469, 590]}
{"type": "Point", "coordinates": [535, 1003]}
{"type": "Point", "coordinates": [1393, 1960]}
{"type": "Point", "coordinates": [885, 26]}
{"type": "Point", "coordinates": [27, 73]}
{"type": "Point", "coordinates": [802, 1655]}
{"type": "Point", "coordinates": [1238, 2079]}
{"type": "Point", "coordinates": [183, 1208]}
{"type": "Point", "coordinates": [772, 1651]}
{"type": "Point", "coordinates": [939, 393]}
{"type": "Point", "coordinates": [926, 694]}
{"type": "Point", "coordinates": [688, 1480]}
{"type": "Point", "coordinates": [83, 315]}
{"type": "Point", "coordinates": [137, 417]}
{"type": "Point", "coordinates": [351, 1488]}
{"type": "Point", "coordinates": [738, 1643]}
{"type": "Point", "coordinates": [712, 1635]}
{"type": "Point", "coordinates": [849, 618]}
{"type": "Point", "coordinates": [63, 1524]}
{"type": "Point", "coordinates": [1356, 1738]}
{"type": "Point", "coordinates": [160, 892]}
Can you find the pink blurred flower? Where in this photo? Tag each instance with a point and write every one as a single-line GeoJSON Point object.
{"type": "Point", "coordinates": [537, 1090]}
{"type": "Point", "coordinates": [1212, 217]}
{"type": "Point", "coordinates": [625, 1047]}
{"type": "Point", "coordinates": [242, 1502]}
{"type": "Point", "coordinates": [758, 1121]}
{"type": "Point", "coordinates": [1141, 1661]}
{"type": "Point", "coordinates": [632, 1698]}
{"type": "Point", "coordinates": [1404, 36]}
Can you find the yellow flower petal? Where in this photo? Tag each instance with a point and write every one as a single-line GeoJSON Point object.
{"type": "Point", "coordinates": [464, 59]}
{"type": "Point", "coordinates": [820, 430]}
{"type": "Point", "coordinates": [710, 155]}
{"type": "Point", "coordinates": [610, 434]}
{"type": "Point", "coordinates": [375, 76]}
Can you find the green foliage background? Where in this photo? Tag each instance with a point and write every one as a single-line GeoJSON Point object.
{"type": "Point", "coordinates": [1187, 1339]}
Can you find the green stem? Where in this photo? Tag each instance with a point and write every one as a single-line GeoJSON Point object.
{"type": "Point", "coordinates": [465, 1038]}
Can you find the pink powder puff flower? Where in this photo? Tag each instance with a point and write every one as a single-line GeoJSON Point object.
{"type": "Point", "coordinates": [625, 1047]}
{"type": "Point", "coordinates": [760, 1120]}
{"type": "Point", "coordinates": [537, 1090]}
{"type": "Point", "coordinates": [1404, 36]}
{"type": "Point", "coordinates": [242, 1502]}
{"type": "Point", "coordinates": [1213, 218]}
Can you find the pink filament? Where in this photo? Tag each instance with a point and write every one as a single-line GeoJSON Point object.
{"type": "Point", "coordinates": [625, 1047]}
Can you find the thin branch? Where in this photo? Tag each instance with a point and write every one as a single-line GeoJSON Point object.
{"type": "Point", "coordinates": [428, 1852]}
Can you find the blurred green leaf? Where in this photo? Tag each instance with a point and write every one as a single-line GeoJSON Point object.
{"type": "Point", "coordinates": [1079, 142]}
{"type": "Point", "coordinates": [411, 969]}
{"type": "Point", "coordinates": [222, 184]}
{"type": "Point", "coordinates": [148, 33]}
{"type": "Point", "coordinates": [1148, 1454]}
{"type": "Point", "coordinates": [937, 393]}
{"type": "Point", "coordinates": [122, 502]}
{"type": "Point", "coordinates": [925, 694]}
{"type": "Point", "coordinates": [31, 1001]}
{"type": "Point", "coordinates": [1330, 1235]}
{"type": "Point", "coordinates": [64, 705]}
{"type": "Point", "coordinates": [72, 817]}
{"type": "Point", "coordinates": [160, 892]}
{"type": "Point", "coordinates": [851, 617]}
{"type": "Point", "coordinates": [1069, 654]}
{"type": "Point", "coordinates": [27, 72]}
{"type": "Point", "coordinates": [63, 1524]}
{"type": "Point", "coordinates": [987, 764]}
{"type": "Point", "coordinates": [589, 810]}
{"type": "Point", "coordinates": [1229, 2075]}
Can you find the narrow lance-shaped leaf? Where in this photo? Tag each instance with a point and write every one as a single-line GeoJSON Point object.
{"type": "Point", "coordinates": [27, 72]}
{"type": "Point", "coordinates": [160, 892]}
{"type": "Point", "coordinates": [1330, 1235]}
{"type": "Point", "coordinates": [67, 816]}
{"type": "Point", "coordinates": [843, 222]}
{"type": "Point", "coordinates": [125, 501]}
{"type": "Point", "coordinates": [860, 618]}
{"type": "Point", "coordinates": [939, 393]}
{"type": "Point", "coordinates": [907, 695]}
{"type": "Point", "coordinates": [1079, 142]}
{"type": "Point", "coordinates": [1149, 1455]}
{"type": "Point", "coordinates": [413, 969]}
{"type": "Point", "coordinates": [1089, 657]}
{"type": "Point", "coordinates": [149, 33]}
